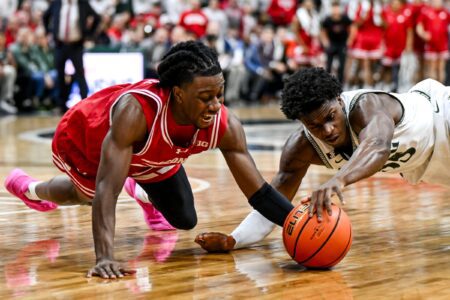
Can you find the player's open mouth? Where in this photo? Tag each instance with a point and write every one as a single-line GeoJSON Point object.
{"type": "Point", "coordinates": [207, 118]}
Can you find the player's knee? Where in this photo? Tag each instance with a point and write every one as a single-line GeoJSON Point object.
{"type": "Point", "coordinates": [186, 222]}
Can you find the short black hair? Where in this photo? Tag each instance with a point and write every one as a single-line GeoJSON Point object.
{"type": "Point", "coordinates": [307, 90]}
{"type": "Point", "coordinates": [186, 60]}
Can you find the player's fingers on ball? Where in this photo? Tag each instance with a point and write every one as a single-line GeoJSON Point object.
{"type": "Point", "coordinates": [340, 196]}
{"type": "Point", "coordinates": [305, 200]}
{"type": "Point", "coordinates": [327, 201]}
{"type": "Point", "coordinates": [318, 205]}
{"type": "Point", "coordinates": [312, 205]}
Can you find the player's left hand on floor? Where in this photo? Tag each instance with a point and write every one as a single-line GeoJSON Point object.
{"type": "Point", "coordinates": [109, 269]}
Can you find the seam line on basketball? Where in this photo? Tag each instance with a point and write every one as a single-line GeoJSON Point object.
{"type": "Point", "coordinates": [325, 242]}
{"type": "Point", "coordinates": [343, 252]}
{"type": "Point", "coordinates": [294, 252]}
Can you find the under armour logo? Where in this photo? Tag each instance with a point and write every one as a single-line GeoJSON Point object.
{"type": "Point", "coordinates": [178, 151]}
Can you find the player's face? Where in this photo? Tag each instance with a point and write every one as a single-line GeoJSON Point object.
{"type": "Point", "coordinates": [328, 123]}
{"type": "Point", "coordinates": [201, 100]}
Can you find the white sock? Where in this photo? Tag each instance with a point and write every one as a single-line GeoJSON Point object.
{"type": "Point", "coordinates": [254, 228]}
{"type": "Point", "coordinates": [141, 194]}
{"type": "Point", "coordinates": [31, 194]}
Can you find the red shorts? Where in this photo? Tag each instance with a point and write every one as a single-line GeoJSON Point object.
{"type": "Point", "coordinates": [86, 184]}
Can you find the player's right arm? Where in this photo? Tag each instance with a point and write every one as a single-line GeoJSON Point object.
{"type": "Point", "coordinates": [128, 127]}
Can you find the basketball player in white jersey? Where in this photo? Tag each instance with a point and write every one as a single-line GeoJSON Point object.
{"type": "Point", "coordinates": [357, 133]}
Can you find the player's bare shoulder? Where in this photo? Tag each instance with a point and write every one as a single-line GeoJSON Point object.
{"type": "Point", "coordinates": [370, 105]}
{"type": "Point", "coordinates": [298, 150]}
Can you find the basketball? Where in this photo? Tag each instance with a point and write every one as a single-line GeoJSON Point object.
{"type": "Point", "coordinates": [317, 245]}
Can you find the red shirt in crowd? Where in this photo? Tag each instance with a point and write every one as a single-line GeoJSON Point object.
{"type": "Point", "coordinates": [282, 11]}
{"type": "Point", "coordinates": [194, 21]}
{"type": "Point", "coordinates": [435, 21]}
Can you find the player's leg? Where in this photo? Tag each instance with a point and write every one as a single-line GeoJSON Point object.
{"type": "Point", "coordinates": [173, 197]}
{"type": "Point", "coordinates": [441, 62]}
{"type": "Point", "coordinates": [44, 196]}
{"type": "Point", "coordinates": [153, 217]}
{"type": "Point", "coordinates": [61, 190]}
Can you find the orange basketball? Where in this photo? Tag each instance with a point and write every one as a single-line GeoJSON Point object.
{"type": "Point", "coordinates": [317, 245]}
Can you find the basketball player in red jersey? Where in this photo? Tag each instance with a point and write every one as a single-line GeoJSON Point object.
{"type": "Point", "coordinates": [357, 133]}
{"type": "Point", "coordinates": [146, 131]}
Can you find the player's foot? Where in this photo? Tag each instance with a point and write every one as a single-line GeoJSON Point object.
{"type": "Point", "coordinates": [215, 241]}
{"type": "Point", "coordinates": [17, 184]}
{"type": "Point", "coordinates": [154, 219]}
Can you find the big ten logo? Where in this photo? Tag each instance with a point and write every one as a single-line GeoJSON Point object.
{"type": "Point", "coordinates": [296, 217]}
{"type": "Point", "coordinates": [318, 229]}
{"type": "Point", "coordinates": [202, 144]}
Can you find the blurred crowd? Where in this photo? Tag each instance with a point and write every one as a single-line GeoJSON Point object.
{"type": "Point", "coordinates": [382, 44]}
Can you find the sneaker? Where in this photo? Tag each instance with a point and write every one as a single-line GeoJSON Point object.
{"type": "Point", "coordinates": [17, 184]}
{"type": "Point", "coordinates": [154, 219]}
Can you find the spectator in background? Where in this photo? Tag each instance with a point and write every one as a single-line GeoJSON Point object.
{"type": "Point", "coordinates": [418, 43]}
{"type": "Point", "coordinates": [32, 65]}
{"type": "Point", "coordinates": [12, 27]}
{"type": "Point", "coordinates": [398, 37]}
{"type": "Point", "coordinates": [117, 29]}
{"type": "Point", "coordinates": [154, 48]}
{"type": "Point", "coordinates": [7, 79]}
{"type": "Point", "coordinates": [71, 22]}
{"type": "Point", "coordinates": [194, 20]}
{"type": "Point", "coordinates": [7, 9]}
{"type": "Point", "coordinates": [334, 35]}
{"type": "Point", "coordinates": [46, 64]}
{"type": "Point", "coordinates": [234, 15]}
{"type": "Point", "coordinates": [174, 9]}
{"type": "Point", "coordinates": [432, 27]}
{"type": "Point", "coordinates": [177, 35]}
{"type": "Point", "coordinates": [368, 44]}
{"type": "Point", "coordinates": [215, 14]}
{"type": "Point", "coordinates": [306, 26]}
{"type": "Point", "coordinates": [235, 84]}
{"type": "Point", "coordinates": [281, 12]}
{"type": "Point", "coordinates": [265, 60]}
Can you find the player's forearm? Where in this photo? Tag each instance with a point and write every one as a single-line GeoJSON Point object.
{"type": "Point", "coordinates": [368, 159]}
{"type": "Point", "coordinates": [103, 226]}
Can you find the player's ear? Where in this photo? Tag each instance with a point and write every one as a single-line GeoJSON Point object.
{"type": "Point", "coordinates": [341, 103]}
{"type": "Point", "coordinates": [177, 94]}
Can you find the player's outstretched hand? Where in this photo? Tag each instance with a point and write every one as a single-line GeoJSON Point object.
{"type": "Point", "coordinates": [321, 197]}
{"type": "Point", "coordinates": [109, 269]}
{"type": "Point", "coordinates": [215, 242]}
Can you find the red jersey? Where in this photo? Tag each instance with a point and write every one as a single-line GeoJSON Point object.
{"type": "Point", "coordinates": [435, 21]}
{"type": "Point", "coordinates": [79, 136]}
{"type": "Point", "coordinates": [370, 32]}
{"type": "Point", "coordinates": [397, 25]}
{"type": "Point", "coordinates": [194, 21]}
{"type": "Point", "coordinates": [282, 11]}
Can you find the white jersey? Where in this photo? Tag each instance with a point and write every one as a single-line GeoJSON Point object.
{"type": "Point", "coordinates": [422, 131]}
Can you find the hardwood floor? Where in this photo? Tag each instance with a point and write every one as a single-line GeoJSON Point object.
{"type": "Point", "coordinates": [401, 245]}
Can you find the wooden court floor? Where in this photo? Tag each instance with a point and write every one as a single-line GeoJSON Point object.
{"type": "Point", "coordinates": [401, 245]}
